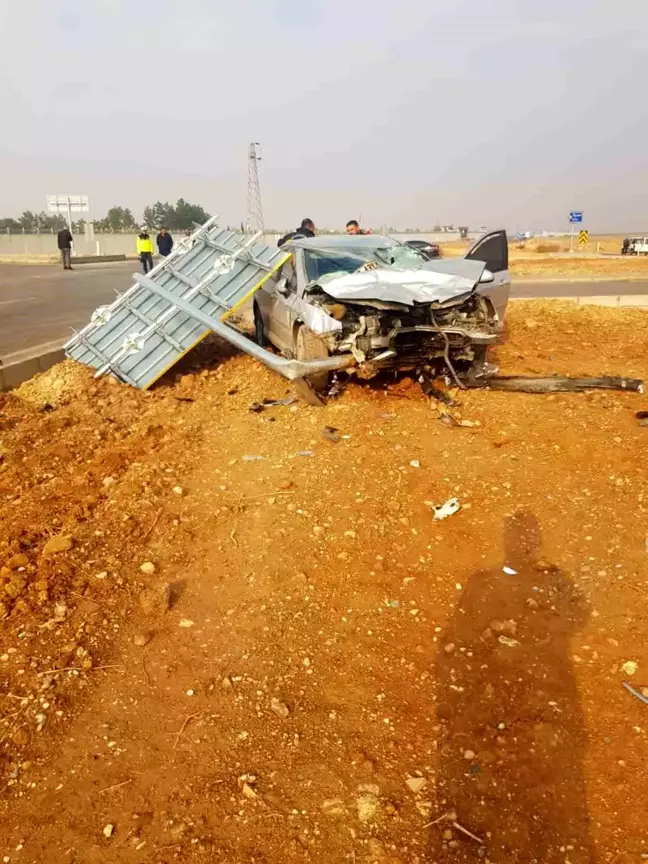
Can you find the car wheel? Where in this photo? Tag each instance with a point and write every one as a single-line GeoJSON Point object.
{"type": "Point", "coordinates": [308, 346]}
{"type": "Point", "coordinates": [259, 333]}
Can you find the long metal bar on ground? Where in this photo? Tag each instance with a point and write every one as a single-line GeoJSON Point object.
{"type": "Point", "coordinates": [555, 384]}
{"type": "Point", "coordinates": [291, 369]}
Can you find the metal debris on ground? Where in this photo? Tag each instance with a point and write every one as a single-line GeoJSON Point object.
{"type": "Point", "coordinates": [631, 689]}
{"type": "Point", "coordinates": [330, 433]}
{"type": "Point", "coordinates": [258, 407]}
{"type": "Point", "coordinates": [558, 384]}
{"type": "Point", "coordinates": [448, 508]}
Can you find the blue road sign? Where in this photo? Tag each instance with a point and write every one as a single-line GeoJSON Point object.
{"type": "Point", "coordinates": [576, 216]}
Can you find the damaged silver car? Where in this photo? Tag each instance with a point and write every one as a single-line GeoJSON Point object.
{"type": "Point", "coordinates": [386, 305]}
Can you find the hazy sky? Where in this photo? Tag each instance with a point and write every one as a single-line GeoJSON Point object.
{"type": "Point", "coordinates": [498, 112]}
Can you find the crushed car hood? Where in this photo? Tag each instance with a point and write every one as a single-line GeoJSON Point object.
{"type": "Point", "coordinates": [450, 281]}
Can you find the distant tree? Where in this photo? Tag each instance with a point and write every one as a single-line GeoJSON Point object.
{"type": "Point", "coordinates": [27, 220]}
{"type": "Point", "coordinates": [129, 220]}
{"type": "Point", "coordinates": [178, 218]}
{"type": "Point", "coordinates": [149, 217]}
{"type": "Point", "coordinates": [187, 214]}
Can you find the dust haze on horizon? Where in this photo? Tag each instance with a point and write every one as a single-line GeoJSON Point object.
{"type": "Point", "coordinates": [493, 112]}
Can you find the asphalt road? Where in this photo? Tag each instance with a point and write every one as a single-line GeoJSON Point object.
{"type": "Point", "coordinates": [41, 304]}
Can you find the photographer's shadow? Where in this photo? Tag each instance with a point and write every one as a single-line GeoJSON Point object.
{"type": "Point", "coordinates": [512, 735]}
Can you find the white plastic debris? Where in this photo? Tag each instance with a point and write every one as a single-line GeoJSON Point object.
{"type": "Point", "coordinates": [415, 463]}
{"type": "Point", "coordinates": [510, 571]}
{"type": "Point", "coordinates": [449, 508]}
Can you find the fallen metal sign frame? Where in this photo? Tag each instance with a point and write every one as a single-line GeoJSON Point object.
{"type": "Point", "coordinates": [143, 333]}
{"type": "Point", "coordinates": [289, 368]}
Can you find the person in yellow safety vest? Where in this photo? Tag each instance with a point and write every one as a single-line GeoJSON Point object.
{"type": "Point", "coordinates": [145, 250]}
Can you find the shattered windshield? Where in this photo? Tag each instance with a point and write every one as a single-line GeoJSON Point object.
{"type": "Point", "coordinates": [324, 262]}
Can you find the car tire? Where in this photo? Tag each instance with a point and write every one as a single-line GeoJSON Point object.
{"type": "Point", "coordinates": [308, 346]}
{"type": "Point", "coordinates": [259, 332]}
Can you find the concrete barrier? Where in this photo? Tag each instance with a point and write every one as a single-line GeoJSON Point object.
{"type": "Point", "coordinates": [23, 365]}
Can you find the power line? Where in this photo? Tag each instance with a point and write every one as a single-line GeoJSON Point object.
{"type": "Point", "coordinates": [254, 218]}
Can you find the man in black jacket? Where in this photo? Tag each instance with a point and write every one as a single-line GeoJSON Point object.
{"type": "Point", "coordinates": [164, 242]}
{"type": "Point", "coordinates": [306, 229]}
{"type": "Point", "coordinates": [65, 247]}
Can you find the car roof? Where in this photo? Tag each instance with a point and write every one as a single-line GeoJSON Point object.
{"type": "Point", "coordinates": [343, 241]}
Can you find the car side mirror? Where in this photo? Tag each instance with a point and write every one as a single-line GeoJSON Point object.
{"type": "Point", "coordinates": [281, 286]}
{"type": "Point", "coordinates": [486, 277]}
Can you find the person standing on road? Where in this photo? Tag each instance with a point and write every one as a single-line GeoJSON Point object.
{"type": "Point", "coordinates": [164, 243]}
{"type": "Point", "coordinates": [145, 250]}
{"type": "Point", "coordinates": [65, 246]}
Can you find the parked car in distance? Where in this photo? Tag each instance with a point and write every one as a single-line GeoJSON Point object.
{"type": "Point", "coordinates": [429, 250]}
{"type": "Point", "coordinates": [386, 304]}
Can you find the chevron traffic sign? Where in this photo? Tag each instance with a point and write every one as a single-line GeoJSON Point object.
{"type": "Point", "coordinates": [583, 237]}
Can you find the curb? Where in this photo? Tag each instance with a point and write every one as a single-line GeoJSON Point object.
{"type": "Point", "coordinates": [23, 365]}
{"type": "Point", "coordinates": [616, 301]}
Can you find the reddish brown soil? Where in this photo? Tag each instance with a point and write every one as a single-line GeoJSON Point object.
{"type": "Point", "coordinates": [395, 647]}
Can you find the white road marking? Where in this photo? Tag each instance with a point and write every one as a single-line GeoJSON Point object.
{"type": "Point", "coordinates": [17, 300]}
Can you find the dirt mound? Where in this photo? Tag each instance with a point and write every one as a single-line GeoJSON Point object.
{"type": "Point", "coordinates": [229, 635]}
{"type": "Point", "coordinates": [56, 387]}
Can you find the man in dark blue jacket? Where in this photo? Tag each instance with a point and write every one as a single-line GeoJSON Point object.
{"type": "Point", "coordinates": [164, 242]}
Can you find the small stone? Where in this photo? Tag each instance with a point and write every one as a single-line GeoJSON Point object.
{"type": "Point", "coordinates": [532, 604]}
{"type": "Point", "coordinates": [141, 639]}
{"type": "Point", "coordinates": [469, 755]}
{"type": "Point", "coordinates": [415, 463]}
{"type": "Point", "coordinates": [333, 807]}
{"type": "Point", "coordinates": [155, 600]}
{"type": "Point", "coordinates": [60, 612]}
{"type": "Point", "coordinates": [629, 667]}
{"type": "Point", "coordinates": [186, 623]}
{"type": "Point", "coordinates": [20, 737]}
{"type": "Point", "coordinates": [509, 627]}
{"type": "Point", "coordinates": [449, 648]}
{"type": "Point", "coordinates": [376, 849]}
{"type": "Point", "coordinates": [178, 490]}
{"type": "Point", "coordinates": [16, 586]}
{"type": "Point", "coordinates": [416, 784]}
{"type": "Point", "coordinates": [17, 561]}
{"type": "Point", "coordinates": [279, 708]}
{"type": "Point", "coordinates": [148, 567]}
{"type": "Point", "coordinates": [367, 805]}
{"type": "Point", "coordinates": [62, 543]}
{"type": "Point", "coordinates": [447, 834]}
{"type": "Point", "coordinates": [108, 482]}
{"type": "Point", "coordinates": [351, 534]}
{"type": "Point", "coordinates": [248, 791]}
{"type": "Point", "coordinates": [226, 685]}
{"type": "Point", "coordinates": [108, 831]}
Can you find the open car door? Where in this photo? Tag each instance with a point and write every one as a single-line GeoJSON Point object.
{"type": "Point", "coordinates": [492, 249]}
